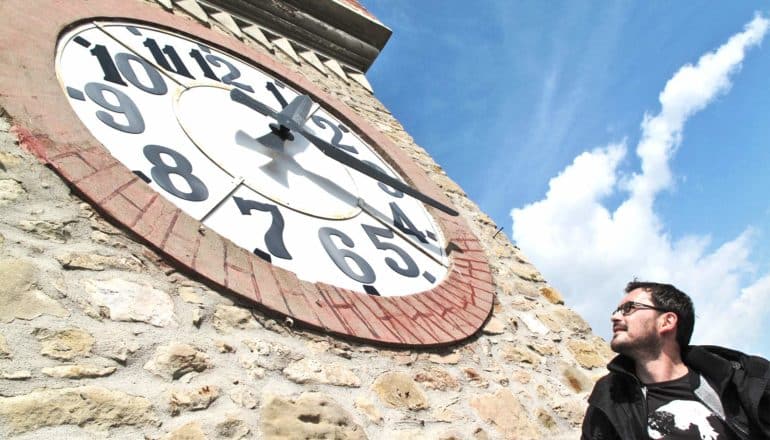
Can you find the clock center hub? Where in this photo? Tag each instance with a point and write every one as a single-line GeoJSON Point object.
{"type": "Point", "coordinates": [282, 132]}
{"type": "Point", "coordinates": [271, 159]}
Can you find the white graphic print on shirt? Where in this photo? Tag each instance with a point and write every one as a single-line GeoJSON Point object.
{"type": "Point", "coordinates": [682, 415]}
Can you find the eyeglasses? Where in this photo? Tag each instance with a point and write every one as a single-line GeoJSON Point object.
{"type": "Point", "coordinates": [630, 307]}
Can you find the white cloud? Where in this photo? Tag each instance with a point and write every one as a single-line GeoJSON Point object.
{"type": "Point", "coordinates": [750, 308]}
{"type": "Point", "coordinates": [590, 252]}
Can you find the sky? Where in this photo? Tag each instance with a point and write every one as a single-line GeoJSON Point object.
{"type": "Point", "coordinates": [610, 140]}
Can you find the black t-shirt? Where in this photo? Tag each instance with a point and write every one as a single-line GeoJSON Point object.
{"type": "Point", "coordinates": [675, 413]}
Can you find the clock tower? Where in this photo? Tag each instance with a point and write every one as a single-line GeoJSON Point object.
{"type": "Point", "coordinates": [264, 239]}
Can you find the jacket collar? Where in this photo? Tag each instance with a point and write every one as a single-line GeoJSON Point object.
{"type": "Point", "coordinates": [702, 359]}
{"type": "Point", "coordinates": [623, 365]}
{"type": "Point", "coordinates": [710, 364]}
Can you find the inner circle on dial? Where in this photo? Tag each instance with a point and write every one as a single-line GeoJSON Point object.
{"type": "Point", "coordinates": [286, 169]}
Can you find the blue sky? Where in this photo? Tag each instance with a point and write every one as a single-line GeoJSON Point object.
{"type": "Point", "coordinates": [537, 110]}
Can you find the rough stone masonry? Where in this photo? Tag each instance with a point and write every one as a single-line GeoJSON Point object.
{"type": "Point", "coordinates": [100, 338]}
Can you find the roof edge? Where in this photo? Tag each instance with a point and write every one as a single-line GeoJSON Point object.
{"type": "Point", "coordinates": [333, 28]}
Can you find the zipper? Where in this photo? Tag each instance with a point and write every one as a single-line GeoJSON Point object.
{"type": "Point", "coordinates": [737, 429]}
{"type": "Point", "coordinates": [643, 390]}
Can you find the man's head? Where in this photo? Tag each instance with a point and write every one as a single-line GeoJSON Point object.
{"type": "Point", "coordinates": [649, 315]}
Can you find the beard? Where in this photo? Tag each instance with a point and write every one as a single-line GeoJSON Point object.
{"type": "Point", "coordinates": [646, 345]}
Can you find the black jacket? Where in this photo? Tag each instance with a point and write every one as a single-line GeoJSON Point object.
{"type": "Point", "coordinates": [617, 407]}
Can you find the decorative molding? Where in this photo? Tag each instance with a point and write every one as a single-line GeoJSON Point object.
{"type": "Point", "coordinates": [257, 35]}
{"type": "Point", "coordinates": [329, 27]}
{"type": "Point", "coordinates": [193, 8]}
{"type": "Point", "coordinates": [335, 67]}
{"type": "Point", "coordinates": [360, 78]}
{"type": "Point", "coordinates": [227, 21]}
{"type": "Point", "coordinates": [167, 5]}
{"type": "Point", "coordinates": [314, 61]}
{"type": "Point", "coordinates": [239, 18]}
{"type": "Point", "coordinates": [285, 45]}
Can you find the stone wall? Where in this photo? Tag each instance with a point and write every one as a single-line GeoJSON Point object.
{"type": "Point", "coordinates": [99, 338]}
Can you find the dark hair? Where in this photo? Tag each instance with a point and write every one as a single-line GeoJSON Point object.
{"type": "Point", "coordinates": [671, 299]}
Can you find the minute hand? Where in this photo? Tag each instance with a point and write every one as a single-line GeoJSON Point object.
{"type": "Point", "coordinates": [241, 97]}
{"type": "Point", "coordinates": [350, 161]}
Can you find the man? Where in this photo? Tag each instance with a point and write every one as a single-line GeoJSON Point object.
{"type": "Point", "coordinates": [660, 387]}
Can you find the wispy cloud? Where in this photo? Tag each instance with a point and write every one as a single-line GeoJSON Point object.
{"type": "Point", "coordinates": [590, 252]}
{"type": "Point", "coordinates": [556, 70]}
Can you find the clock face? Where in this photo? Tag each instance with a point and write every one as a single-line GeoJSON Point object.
{"type": "Point", "coordinates": [165, 106]}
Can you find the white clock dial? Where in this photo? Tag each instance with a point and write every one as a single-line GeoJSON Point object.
{"type": "Point", "coordinates": [292, 172]}
{"type": "Point", "coordinates": [162, 104]}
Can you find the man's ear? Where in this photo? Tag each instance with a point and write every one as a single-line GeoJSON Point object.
{"type": "Point", "coordinates": [668, 322]}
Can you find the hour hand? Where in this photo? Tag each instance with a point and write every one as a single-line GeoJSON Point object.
{"type": "Point", "coordinates": [241, 97]}
{"type": "Point", "coordinates": [350, 161]}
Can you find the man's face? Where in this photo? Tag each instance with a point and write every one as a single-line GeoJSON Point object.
{"type": "Point", "coordinates": [636, 332]}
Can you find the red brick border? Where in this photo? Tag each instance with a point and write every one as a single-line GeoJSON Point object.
{"type": "Point", "coordinates": [46, 126]}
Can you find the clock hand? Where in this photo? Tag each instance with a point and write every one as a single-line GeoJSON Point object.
{"type": "Point", "coordinates": [348, 160]}
{"type": "Point", "coordinates": [241, 97]}
{"type": "Point", "coordinates": [292, 117]}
